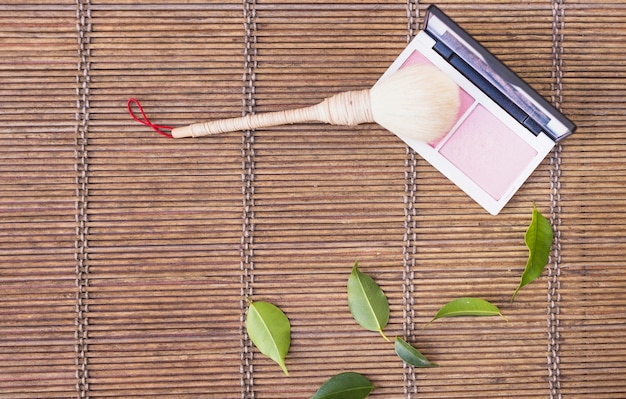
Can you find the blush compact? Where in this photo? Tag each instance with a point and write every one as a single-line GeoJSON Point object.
{"type": "Point", "coordinates": [504, 129]}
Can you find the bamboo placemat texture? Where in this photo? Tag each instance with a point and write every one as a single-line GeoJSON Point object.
{"type": "Point", "coordinates": [127, 259]}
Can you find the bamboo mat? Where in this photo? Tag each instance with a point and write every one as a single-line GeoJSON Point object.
{"type": "Point", "coordinates": [127, 259]}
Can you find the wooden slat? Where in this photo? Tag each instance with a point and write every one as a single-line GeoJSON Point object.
{"type": "Point", "coordinates": [165, 217]}
{"type": "Point", "coordinates": [593, 308]}
{"type": "Point", "coordinates": [37, 200]}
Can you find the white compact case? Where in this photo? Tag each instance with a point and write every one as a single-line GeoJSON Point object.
{"type": "Point", "coordinates": [504, 128]}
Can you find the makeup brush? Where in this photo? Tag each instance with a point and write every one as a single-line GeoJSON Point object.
{"type": "Point", "coordinates": [416, 102]}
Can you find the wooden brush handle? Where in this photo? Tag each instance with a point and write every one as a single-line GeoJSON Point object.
{"type": "Point", "coordinates": [348, 108]}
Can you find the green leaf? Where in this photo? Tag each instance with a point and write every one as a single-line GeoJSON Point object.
{"type": "Point", "coordinates": [270, 331]}
{"type": "Point", "coordinates": [411, 355]}
{"type": "Point", "coordinates": [538, 239]}
{"type": "Point", "coordinates": [468, 307]}
{"type": "Point", "coordinates": [345, 386]}
{"type": "Point", "coordinates": [367, 302]}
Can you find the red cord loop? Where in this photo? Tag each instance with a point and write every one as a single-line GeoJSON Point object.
{"type": "Point", "coordinates": [145, 121]}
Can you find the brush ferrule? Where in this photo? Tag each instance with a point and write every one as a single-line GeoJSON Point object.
{"type": "Point", "coordinates": [348, 108]}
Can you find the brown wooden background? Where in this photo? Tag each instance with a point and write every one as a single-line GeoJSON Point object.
{"type": "Point", "coordinates": [126, 259]}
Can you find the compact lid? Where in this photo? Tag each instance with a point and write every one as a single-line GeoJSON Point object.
{"type": "Point", "coordinates": [483, 69]}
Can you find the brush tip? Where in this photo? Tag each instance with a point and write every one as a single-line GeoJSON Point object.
{"type": "Point", "coordinates": [417, 102]}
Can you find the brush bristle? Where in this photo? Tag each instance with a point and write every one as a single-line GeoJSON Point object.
{"type": "Point", "coordinates": [417, 102]}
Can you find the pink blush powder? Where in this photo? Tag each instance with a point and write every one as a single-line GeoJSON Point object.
{"type": "Point", "coordinates": [488, 152]}
{"type": "Point", "coordinates": [466, 101]}
{"type": "Point", "coordinates": [416, 58]}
